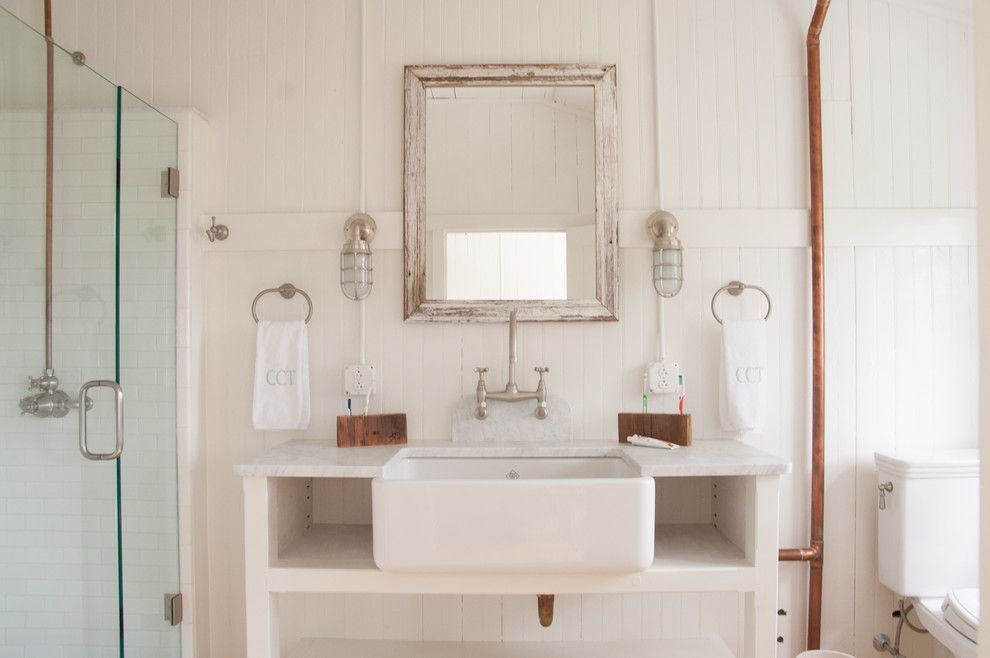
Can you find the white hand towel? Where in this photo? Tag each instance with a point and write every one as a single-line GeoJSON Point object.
{"type": "Point", "coordinates": [281, 376]}
{"type": "Point", "coordinates": [743, 376]}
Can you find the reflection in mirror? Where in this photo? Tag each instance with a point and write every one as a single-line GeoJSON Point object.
{"type": "Point", "coordinates": [510, 193]}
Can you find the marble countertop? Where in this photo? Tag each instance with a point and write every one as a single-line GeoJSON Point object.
{"type": "Point", "coordinates": [705, 457]}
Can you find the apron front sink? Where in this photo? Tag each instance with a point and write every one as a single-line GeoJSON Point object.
{"type": "Point", "coordinates": [513, 515]}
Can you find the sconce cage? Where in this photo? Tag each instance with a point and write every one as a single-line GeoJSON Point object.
{"type": "Point", "coordinates": [668, 271]}
{"type": "Point", "coordinates": [356, 263]}
{"type": "Point", "coordinates": [668, 254]}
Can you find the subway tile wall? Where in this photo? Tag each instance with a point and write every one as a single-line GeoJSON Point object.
{"type": "Point", "coordinates": [58, 571]}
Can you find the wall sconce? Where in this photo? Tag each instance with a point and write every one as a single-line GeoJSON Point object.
{"type": "Point", "coordinates": [356, 271]}
{"type": "Point", "coordinates": [668, 259]}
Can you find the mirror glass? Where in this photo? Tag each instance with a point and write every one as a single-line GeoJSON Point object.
{"type": "Point", "coordinates": [510, 193]}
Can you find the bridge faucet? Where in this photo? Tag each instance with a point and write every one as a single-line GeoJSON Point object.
{"type": "Point", "coordinates": [511, 393]}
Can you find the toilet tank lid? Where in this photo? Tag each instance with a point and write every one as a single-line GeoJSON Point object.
{"type": "Point", "coordinates": [938, 463]}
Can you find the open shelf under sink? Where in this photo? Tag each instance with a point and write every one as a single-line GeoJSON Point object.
{"type": "Point", "coordinates": [340, 557]}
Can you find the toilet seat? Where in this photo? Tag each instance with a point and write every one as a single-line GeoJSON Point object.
{"type": "Point", "coordinates": [961, 609]}
{"type": "Point", "coordinates": [934, 620]}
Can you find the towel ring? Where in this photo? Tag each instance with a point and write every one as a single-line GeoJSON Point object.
{"type": "Point", "coordinates": [288, 291]}
{"type": "Point", "coordinates": [736, 288]}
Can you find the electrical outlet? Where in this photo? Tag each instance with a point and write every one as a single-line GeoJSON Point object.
{"type": "Point", "coordinates": [359, 380]}
{"type": "Point", "coordinates": [663, 376]}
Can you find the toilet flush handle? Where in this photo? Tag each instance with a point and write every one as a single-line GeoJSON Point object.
{"type": "Point", "coordinates": [885, 488]}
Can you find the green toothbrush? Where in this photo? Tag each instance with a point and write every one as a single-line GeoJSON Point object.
{"type": "Point", "coordinates": [646, 388]}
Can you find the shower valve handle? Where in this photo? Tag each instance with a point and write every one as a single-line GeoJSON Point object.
{"type": "Point", "coordinates": [46, 382]}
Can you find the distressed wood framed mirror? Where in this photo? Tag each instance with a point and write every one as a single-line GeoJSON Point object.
{"type": "Point", "coordinates": [509, 192]}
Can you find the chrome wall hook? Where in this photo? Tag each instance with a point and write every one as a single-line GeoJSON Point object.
{"type": "Point", "coordinates": [217, 231]}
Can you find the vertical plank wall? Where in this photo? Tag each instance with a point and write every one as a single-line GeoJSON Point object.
{"type": "Point", "coordinates": [279, 81]}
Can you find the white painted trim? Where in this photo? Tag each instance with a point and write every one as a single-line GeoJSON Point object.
{"type": "Point", "coordinates": [712, 647]}
{"type": "Point", "coordinates": [193, 147]}
{"type": "Point", "coordinates": [789, 228]}
{"type": "Point", "coordinates": [936, 227]}
{"type": "Point", "coordinates": [909, 227]}
{"type": "Point", "coordinates": [982, 63]}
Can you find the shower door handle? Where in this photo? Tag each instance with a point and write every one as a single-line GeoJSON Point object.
{"type": "Point", "coordinates": [118, 395]}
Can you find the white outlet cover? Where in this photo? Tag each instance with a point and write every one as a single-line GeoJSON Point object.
{"type": "Point", "coordinates": [663, 377]}
{"type": "Point", "coordinates": [359, 380]}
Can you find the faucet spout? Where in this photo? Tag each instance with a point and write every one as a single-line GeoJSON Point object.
{"type": "Point", "coordinates": [510, 386]}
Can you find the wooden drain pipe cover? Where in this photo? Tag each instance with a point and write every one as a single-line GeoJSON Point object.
{"type": "Point", "coordinates": [544, 604]}
{"type": "Point", "coordinates": [816, 552]}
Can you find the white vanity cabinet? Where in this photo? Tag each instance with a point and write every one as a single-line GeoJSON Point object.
{"type": "Point", "coordinates": [308, 529]}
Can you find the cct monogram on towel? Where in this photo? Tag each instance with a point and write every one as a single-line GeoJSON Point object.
{"type": "Point", "coordinates": [753, 375]}
{"type": "Point", "coordinates": [280, 377]}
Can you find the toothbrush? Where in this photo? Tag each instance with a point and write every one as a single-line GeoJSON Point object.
{"type": "Point", "coordinates": [646, 388]}
{"type": "Point", "coordinates": [682, 391]}
{"type": "Point", "coordinates": [650, 442]}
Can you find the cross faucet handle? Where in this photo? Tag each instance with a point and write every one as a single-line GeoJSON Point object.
{"type": "Point", "coordinates": [541, 370]}
{"type": "Point", "coordinates": [481, 371]}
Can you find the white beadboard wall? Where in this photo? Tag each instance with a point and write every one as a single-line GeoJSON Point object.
{"type": "Point", "coordinates": [280, 80]}
{"type": "Point", "coordinates": [891, 310]}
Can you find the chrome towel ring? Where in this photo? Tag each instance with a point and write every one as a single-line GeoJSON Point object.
{"type": "Point", "coordinates": [736, 288]}
{"type": "Point", "coordinates": [288, 291]}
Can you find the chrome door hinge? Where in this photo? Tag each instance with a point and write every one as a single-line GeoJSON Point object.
{"type": "Point", "coordinates": [170, 183]}
{"type": "Point", "coordinates": [173, 608]}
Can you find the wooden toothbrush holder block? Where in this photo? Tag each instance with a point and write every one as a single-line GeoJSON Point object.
{"type": "Point", "coordinates": [675, 428]}
{"type": "Point", "coordinates": [371, 430]}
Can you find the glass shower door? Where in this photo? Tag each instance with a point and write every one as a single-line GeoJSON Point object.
{"type": "Point", "coordinates": [148, 474]}
{"type": "Point", "coordinates": [88, 548]}
{"type": "Point", "coordinates": [58, 518]}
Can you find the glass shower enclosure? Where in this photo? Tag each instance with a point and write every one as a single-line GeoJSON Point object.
{"type": "Point", "coordinates": [88, 538]}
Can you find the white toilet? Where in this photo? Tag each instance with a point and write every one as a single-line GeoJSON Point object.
{"type": "Point", "coordinates": [928, 540]}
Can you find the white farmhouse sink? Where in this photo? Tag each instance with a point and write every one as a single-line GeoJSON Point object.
{"type": "Point", "coordinates": [513, 515]}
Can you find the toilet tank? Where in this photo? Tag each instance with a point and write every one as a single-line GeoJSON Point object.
{"type": "Point", "coordinates": [928, 521]}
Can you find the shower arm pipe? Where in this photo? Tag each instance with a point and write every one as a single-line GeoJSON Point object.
{"type": "Point", "coordinates": [814, 554]}
{"type": "Point", "coordinates": [49, 180]}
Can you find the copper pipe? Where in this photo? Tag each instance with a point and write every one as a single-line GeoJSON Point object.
{"type": "Point", "coordinates": [796, 554]}
{"type": "Point", "coordinates": [816, 553]}
{"type": "Point", "coordinates": [817, 324]}
{"type": "Point", "coordinates": [49, 180]}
